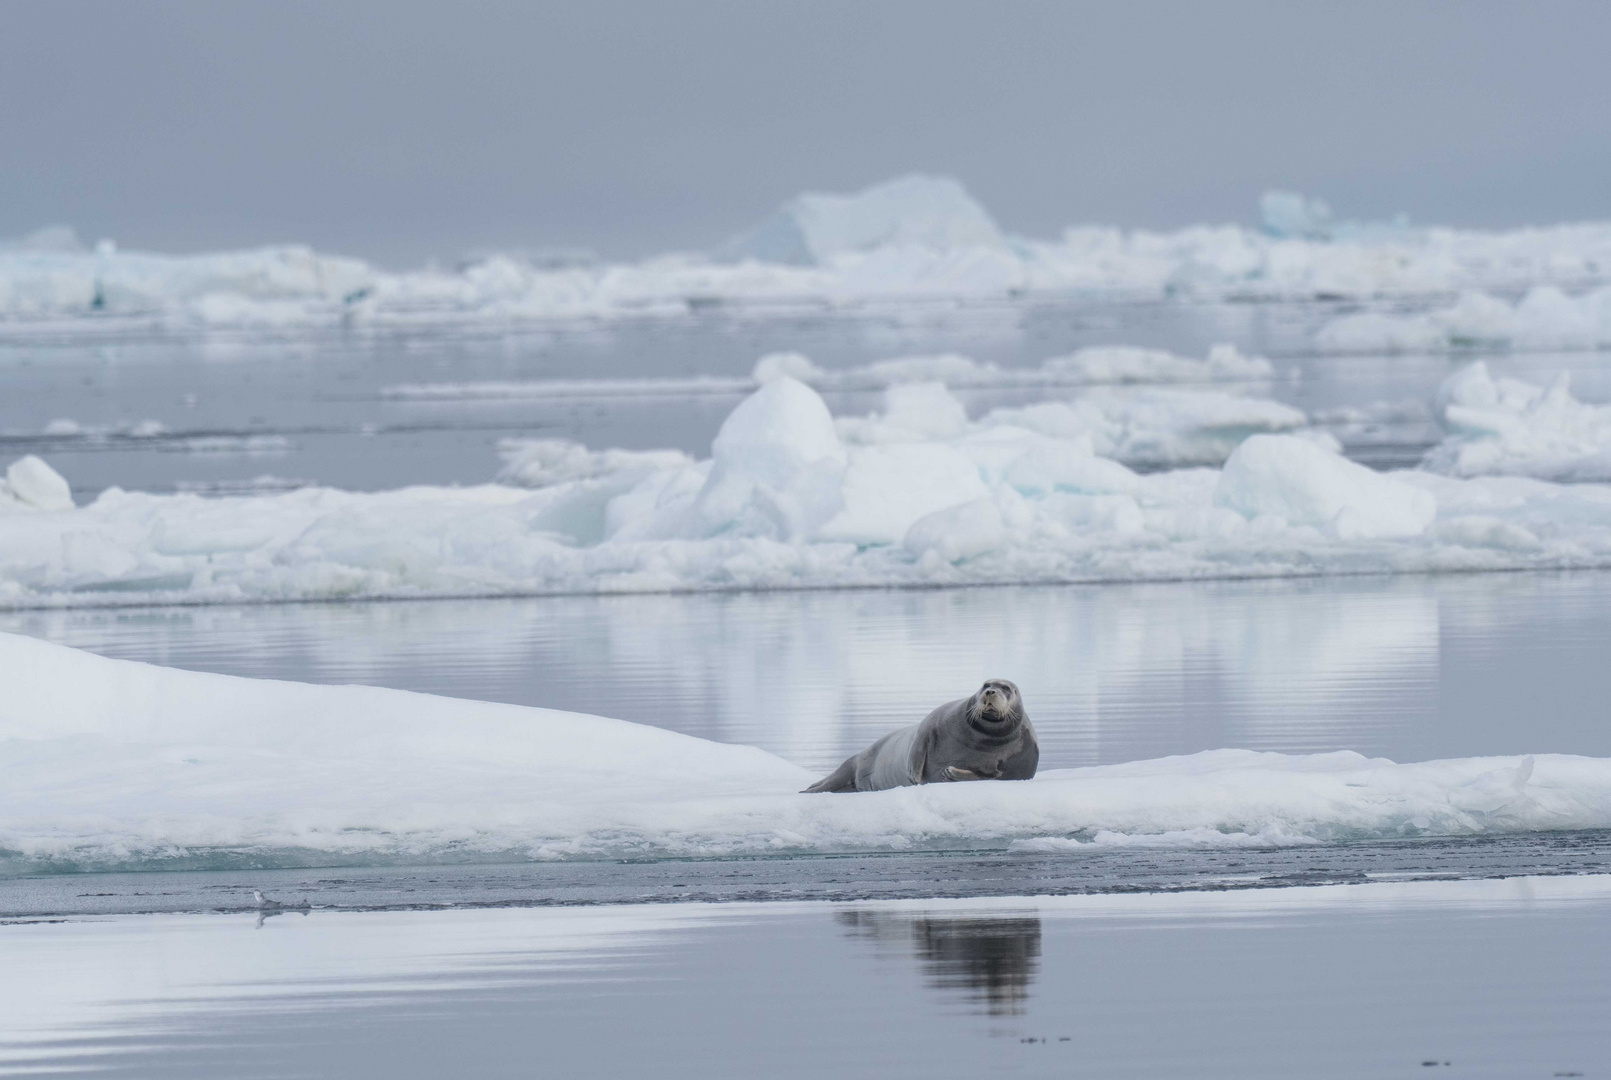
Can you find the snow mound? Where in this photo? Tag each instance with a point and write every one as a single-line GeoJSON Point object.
{"type": "Point", "coordinates": [1513, 428]}
{"type": "Point", "coordinates": [932, 212]}
{"type": "Point", "coordinates": [1302, 483]}
{"type": "Point", "coordinates": [111, 763]}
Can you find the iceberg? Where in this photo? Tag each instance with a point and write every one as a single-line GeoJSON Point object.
{"type": "Point", "coordinates": [31, 482]}
{"type": "Point", "coordinates": [932, 212]}
{"type": "Point", "coordinates": [1289, 214]}
{"type": "Point", "coordinates": [1510, 427]}
{"type": "Point", "coordinates": [916, 494]}
{"type": "Point", "coordinates": [116, 764]}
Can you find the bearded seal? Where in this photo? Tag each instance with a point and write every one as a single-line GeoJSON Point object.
{"type": "Point", "coordinates": [984, 737]}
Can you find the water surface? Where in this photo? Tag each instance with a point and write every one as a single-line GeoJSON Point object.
{"type": "Point", "coordinates": [221, 412]}
{"type": "Point", "coordinates": [1498, 979]}
{"type": "Point", "coordinates": [1410, 668]}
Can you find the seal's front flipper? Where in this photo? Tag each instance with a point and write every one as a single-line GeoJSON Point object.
{"type": "Point", "coordinates": [954, 773]}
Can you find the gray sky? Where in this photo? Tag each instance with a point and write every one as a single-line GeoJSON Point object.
{"type": "Point", "coordinates": [404, 130]}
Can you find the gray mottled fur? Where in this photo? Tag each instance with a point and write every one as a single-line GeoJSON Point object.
{"type": "Point", "coordinates": [984, 737]}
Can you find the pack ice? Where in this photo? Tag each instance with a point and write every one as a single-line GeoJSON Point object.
{"type": "Point", "coordinates": [911, 238]}
{"type": "Point", "coordinates": [1515, 428]}
{"type": "Point", "coordinates": [114, 763]}
{"type": "Point", "coordinates": [1545, 318]}
{"type": "Point", "coordinates": [792, 497]}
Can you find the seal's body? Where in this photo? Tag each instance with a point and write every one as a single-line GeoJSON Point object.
{"type": "Point", "coordinates": [983, 737]}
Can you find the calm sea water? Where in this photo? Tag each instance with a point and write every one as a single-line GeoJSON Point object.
{"type": "Point", "coordinates": [1481, 979]}
{"type": "Point", "coordinates": [214, 412]}
{"type": "Point", "coordinates": [1411, 668]}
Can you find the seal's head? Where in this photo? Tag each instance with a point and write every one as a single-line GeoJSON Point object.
{"type": "Point", "coordinates": [997, 703]}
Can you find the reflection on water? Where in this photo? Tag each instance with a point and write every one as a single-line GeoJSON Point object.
{"type": "Point", "coordinates": [993, 961]}
{"type": "Point", "coordinates": [1505, 979]}
{"type": "Point", "coordinates": [1410, 668]}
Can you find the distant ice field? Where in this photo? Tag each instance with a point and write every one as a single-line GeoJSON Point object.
{"type": "Point", "coordinates": [912, 239]}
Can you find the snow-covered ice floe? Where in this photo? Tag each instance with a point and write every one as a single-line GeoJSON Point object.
{"type": "Point", "coordinates": [916, 493]}
{"type": "Point", "coordinates": [911, 239]}
{"type": "Point", "coordinates": [116, 763]}
{"type": "Point", "coordinates": [1092, 366]}
{"type": "Point", "coordinates": [1545, 318]}
{"type": "Point", "coordinates": [1514, 428]}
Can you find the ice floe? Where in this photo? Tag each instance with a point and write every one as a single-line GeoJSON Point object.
{"type": "Point", "coordinates": [111, 763]}
{"type": "Point", "coordinates": [1093, 366]}
{"type": "Point", "coordinates": [912, 239]}
{"type": "Point", "coordinates": [1514, 428]}
{"type": "Point", "coordinates": [32, 483]}
{"type": "Point", "coordinates": [917, 493]}
{"type": "Point", "coordinates": [1545, 318]}
{"type": "Point", "coordinates": [542, 462]}
{"type": "Point", "coordinates": [155, 435]}
{"type": "Point", "coordinates": [1303, 483]}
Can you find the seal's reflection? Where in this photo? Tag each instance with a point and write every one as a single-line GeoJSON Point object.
{"type": "Point", "coordinates": [993, 960]}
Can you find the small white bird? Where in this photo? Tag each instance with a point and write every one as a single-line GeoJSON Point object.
{"type": "Point", "coordinates": [265, 903]}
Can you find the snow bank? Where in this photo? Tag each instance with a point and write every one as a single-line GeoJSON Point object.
{"type": "Point", "coordinates": [912, 239]}
{"type": "Point", "coordinates": [1545, 318]}
{"type": "Point", "coordinates": [113, 763]}
{"type": "Point", "coordinates": [915, 494]}
{"type": "Point", "coordinates": [1513, 428]}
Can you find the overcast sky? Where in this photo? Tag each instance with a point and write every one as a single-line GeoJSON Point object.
{"type": "Point", "coordinates": [404, 130]}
